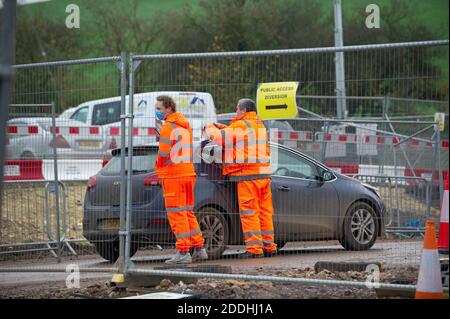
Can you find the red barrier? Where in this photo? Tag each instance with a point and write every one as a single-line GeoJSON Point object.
{"type": "Point", "coordinates": [424, 173]}
{"type": "Point", "coordinates": [19, 170]}
{"type": "Point", "coordinates": [344, 168]}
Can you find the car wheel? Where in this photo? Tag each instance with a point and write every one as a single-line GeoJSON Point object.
{"type": "Point", "coordinates": [215, 231]}
{"type": "Point", "coordinates": [27, 156]}
{"type": "Point", "coordinates": [109, 250]}
{"type": "Point", "coordinates": [361, 227]}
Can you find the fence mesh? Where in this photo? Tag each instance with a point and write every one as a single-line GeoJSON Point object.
{"type": "Point", "coordinates": [322, 211]}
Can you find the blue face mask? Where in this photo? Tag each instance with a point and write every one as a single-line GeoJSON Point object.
{"type": "Point", "coordinates": [159, 115]}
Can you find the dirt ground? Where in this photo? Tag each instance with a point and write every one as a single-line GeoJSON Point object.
{"type": "Point", "coordinates": [92, 288]}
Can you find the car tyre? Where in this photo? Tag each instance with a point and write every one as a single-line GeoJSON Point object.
{"type": "Point", "coordinates": [361, 227]}
{"type": "Point", "coordinates": [215, 231]}
{"type": "Point", "coordinates": [27, 155]}
{"type": "Point", "coordinates": [109, 250]}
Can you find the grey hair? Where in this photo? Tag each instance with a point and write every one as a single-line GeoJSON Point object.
{"type": "Point", "coordinates": [247, 104]}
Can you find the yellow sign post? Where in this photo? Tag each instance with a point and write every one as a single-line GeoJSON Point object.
{"type": "Point", "coordinates": [277, 100]}
{"type": "Point", "coordinates": [440, 118]}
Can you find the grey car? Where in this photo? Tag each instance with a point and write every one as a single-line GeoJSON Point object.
{"type": "Point", "coordinates": [311, 202]}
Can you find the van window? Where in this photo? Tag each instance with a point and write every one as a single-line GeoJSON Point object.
{"type": "Point", "coordinates": [106, 113]}
{"type": "Point", "coordinates": [80, 115]}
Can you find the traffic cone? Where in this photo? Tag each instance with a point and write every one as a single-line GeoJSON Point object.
{"type": "Point", "coordinates": [443, 226]}
{"type": "Point", "coordinates": [429, 284]}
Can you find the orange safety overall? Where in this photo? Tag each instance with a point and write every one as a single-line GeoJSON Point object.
{"type": "Point", "coordinates": [247, 161]}
{"type": "Point", "coordinates": [175, 169]}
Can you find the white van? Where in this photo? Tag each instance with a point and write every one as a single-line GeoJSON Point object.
{"type": "Point", "coordinates": [198, 107]}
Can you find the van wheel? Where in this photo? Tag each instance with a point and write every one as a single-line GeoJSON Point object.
{"type": "Point", "coordinates": [215, 231]}
{"type": "Point", "coordinates": [27, 155]}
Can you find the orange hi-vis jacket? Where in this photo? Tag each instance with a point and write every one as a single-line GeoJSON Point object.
{"type": "Point", "coordinates": [245, 148]}
{"type": "Point", "coordinates": [175, 155]}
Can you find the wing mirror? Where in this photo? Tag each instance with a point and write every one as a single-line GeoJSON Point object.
{"type": "Point", "coordinates": [327, 176]}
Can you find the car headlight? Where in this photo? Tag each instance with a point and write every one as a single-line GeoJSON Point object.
{"type": "Point", "coordinates": [373, 189]}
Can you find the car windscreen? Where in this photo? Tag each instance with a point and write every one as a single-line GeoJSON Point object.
{"type": "Point", "coordinates": [106, 113]}
{"type": "Point", "coordinates": [142, 163]}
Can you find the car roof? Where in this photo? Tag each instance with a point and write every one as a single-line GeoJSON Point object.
{"type": "Point", "coordinates": [137, 95]}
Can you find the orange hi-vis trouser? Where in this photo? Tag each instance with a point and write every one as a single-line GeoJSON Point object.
{"type": "Point", "coordinates": [179, 200]}
{"type": "Point", "coordinates": [256, 212]}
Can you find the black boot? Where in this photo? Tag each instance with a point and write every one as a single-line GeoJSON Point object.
{"type": "Point", "coordinates": [248, 254]}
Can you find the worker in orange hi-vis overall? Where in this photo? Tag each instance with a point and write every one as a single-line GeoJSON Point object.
{"type": "Point", "coordinates": [246, 160]}
{"type": "Point", "coordinates": [174, 166]}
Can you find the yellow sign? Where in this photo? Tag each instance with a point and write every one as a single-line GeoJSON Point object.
{"type": "Point", "coordinates": [276, 100]}
{"type": "Point", "coordinates": [440, 117]}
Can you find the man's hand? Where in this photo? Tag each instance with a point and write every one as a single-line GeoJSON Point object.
{"type": "Point", "coordinates": [219, 126]}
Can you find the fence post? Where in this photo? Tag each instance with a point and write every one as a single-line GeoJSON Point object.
{"type": "Point", "coordinates": [56, 185]}
{"type": "Point", "coordinates": [339, 62]}
{"type": "Point", "coordinates": [132, 68]}
{"type": "Point", "coordinates": [438, 154]}
{"type": "Point", "coordinates": [123, 91]}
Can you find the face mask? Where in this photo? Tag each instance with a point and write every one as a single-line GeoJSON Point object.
{"type": "Point", "coordinates": [159, 115]}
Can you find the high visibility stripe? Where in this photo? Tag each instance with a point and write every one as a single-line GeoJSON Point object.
{"type": "Point", "coordinates": [175, 129]}
{"type": "Point", "coordinates": [188, 234]}
{"type": "Point", "coordinates": [163, 154]}
{"type": "Point", "coordinates": [178, 209]}
{"type": "Point", "coordinates": [165, 140]}
{"type": "Point", "coordinates": [256, 242]}
{"type": "Point", "coordinates": [249, 177]}
{"type": "Point", "coordinates": [267, 232]}
{"type": "Point", "coordinates": [246, 212]}
{"type": "Point", "coordinates": [250, 130]}
{"type": "Point", "coordinates": [252, 233]}
{"type": "Point", "coordinates": [268, 241]}
{"type": "Point", "coordinates": [185, 159]}
{"type": "Point", "coordinates": [172, 124]}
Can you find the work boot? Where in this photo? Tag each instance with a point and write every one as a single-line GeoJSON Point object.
{"type": "Point", "coordinates": [199, 254]}
{"type": "Point", "coordinates": [180, 258]}
{"type": "Point", "coordinates": [248, 254]}
{"type": "Point", "coordinates": [270, 253]}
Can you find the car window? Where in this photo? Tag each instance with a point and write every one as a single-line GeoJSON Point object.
{"type": "Point", "coordinates": [285, 163]}
{"type": "Point", "coordinates": [106, 113]}
{"type": "Point", "coordinates": [141, 164]}
{"type": "Point", "coordinates": [81, 115]}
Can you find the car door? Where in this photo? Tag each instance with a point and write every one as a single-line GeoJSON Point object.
{"type": "Point", "coordinates": [305, 207]}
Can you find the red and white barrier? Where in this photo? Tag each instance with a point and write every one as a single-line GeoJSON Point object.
{"type": "Point", "coordinates": [137, 131]}
{"type": "Point", "coordinates": [24, 130]}
{"type": "Point", "coordinates": [337, 138]}
{"type": "Point", "coordinates": [20, 170]}
{"type": "Point", "coordinates": [78, 130]}
{"type": "Point", "coordinates": [16, 170]}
